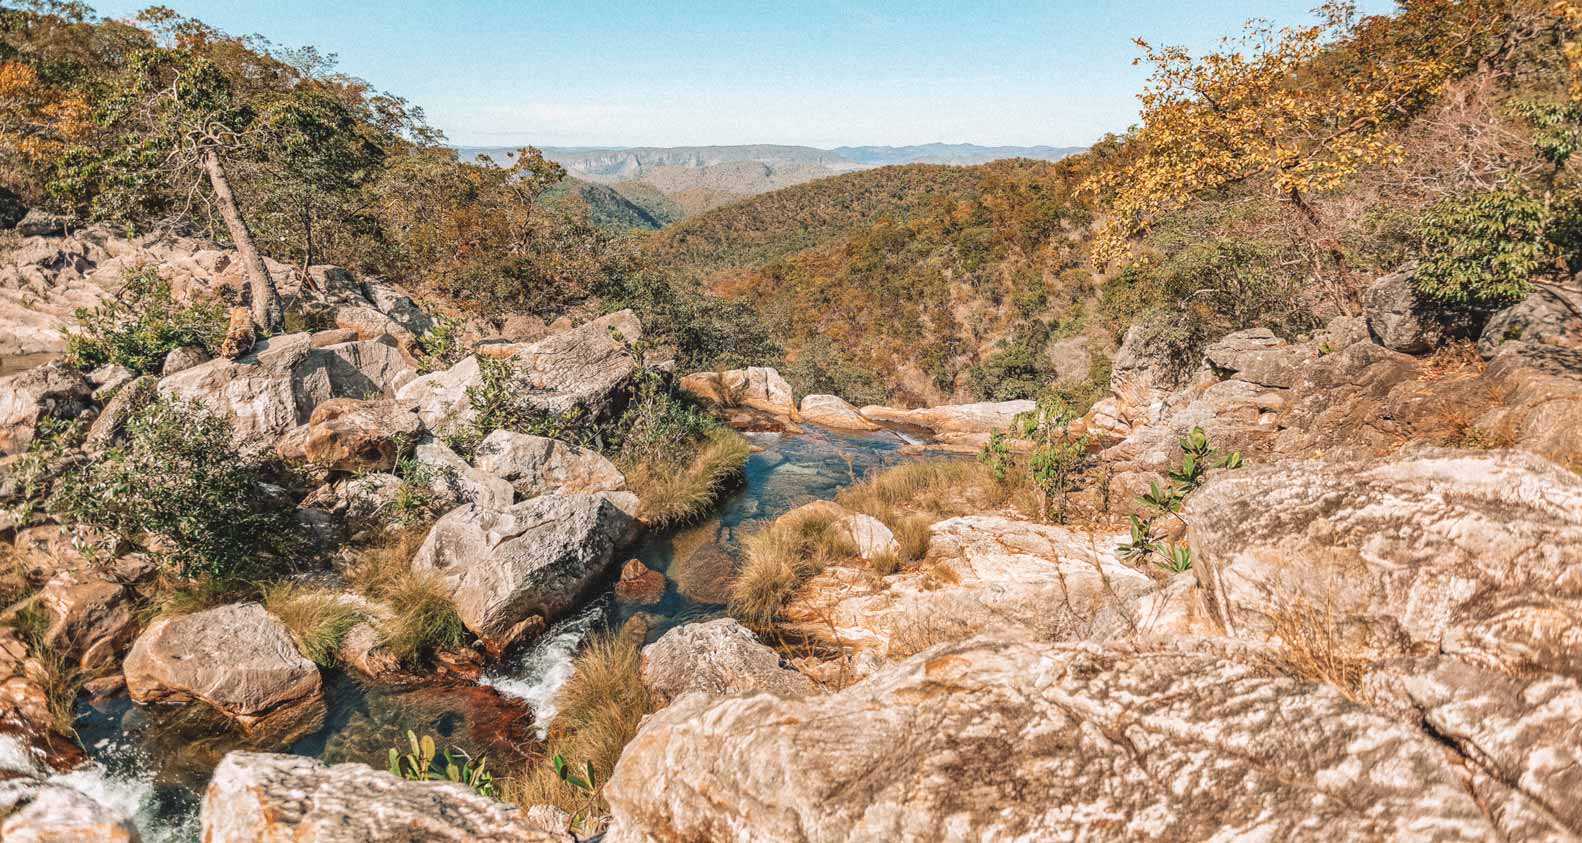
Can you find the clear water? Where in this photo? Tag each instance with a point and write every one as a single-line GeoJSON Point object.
{"type": "Point", "coordinates": [156, 763]}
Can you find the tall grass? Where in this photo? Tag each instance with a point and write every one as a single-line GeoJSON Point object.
{"type": "Point", "coordinates": [317, 618]}
{"type": "Point", "coordinates": [674, 493]}
{"type": "Point", "coordinates": [778, 559]}
{"type": "Point", "coordinates": [598, 712]}
{"type": "Point", "coordinates": [422, 618]}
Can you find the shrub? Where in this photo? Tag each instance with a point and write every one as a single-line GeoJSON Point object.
{"type": "Point", "coordinates": [143, 324]}
{"type": "Point", "coordinates": [318, 618]}
{"type": "Point", "coordinates": [182, 489]}
{"type": "Point", "coordinates": [498, 402]}
{"type": "Point", "coordinates": [1482, 250]}
{"type": "Point", "coordinates": [1020, 370]}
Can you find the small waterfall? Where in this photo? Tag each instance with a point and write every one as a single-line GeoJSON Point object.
{"type": "Point", "coordinates": [129, 791]}
{"type": "Point", "coordinates": [537, 673]}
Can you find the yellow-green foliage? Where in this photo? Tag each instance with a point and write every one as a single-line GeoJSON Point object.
{"type": "Point", "coordinates": [318, 618]}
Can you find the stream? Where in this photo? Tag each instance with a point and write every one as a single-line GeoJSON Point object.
{"type": "Point", "coordinates": [155, 763]}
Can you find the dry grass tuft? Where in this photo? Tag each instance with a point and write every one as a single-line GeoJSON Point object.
{"type": "Point", "coordinates": [1313, 646]}
{"type": "Point", "coordinates": [57, 676]}
{"type": "Point", "coordinates": [422, 618]}
{"type": "Point", "coordinates": [777, 559]}
{"type": "Point", "coordinates": [318, 618]}
{"type": "Point", "coordinates": [598, 712]}
{"type": "Point", "coordinates": [674, 494]}
{"type": "Point", "coordinates": [1455, 359]}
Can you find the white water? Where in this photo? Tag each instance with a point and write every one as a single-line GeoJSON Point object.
{"type": "Point", "coordinates": [536, 675]}
{"type": "Point", "coordinates": [130, 793]}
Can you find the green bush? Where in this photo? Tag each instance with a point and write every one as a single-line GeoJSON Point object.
{"type": "Point", "coordinates": [498, 402]}
{"type": "Point", "coordinates": [180, 487]}
{"type": "Point", "coordinates": [1483, 249]}
{"type": "Point", "coordinates": [1019, 370]}
{"type": "Point", "coordinates": [143, 324]}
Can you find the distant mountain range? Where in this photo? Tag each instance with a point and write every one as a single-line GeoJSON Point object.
{"type": "Point", "coordinates": [688, 180]}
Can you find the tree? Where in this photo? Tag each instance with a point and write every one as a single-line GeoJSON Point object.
{"type": "Point", "coordinates": [37, 123]}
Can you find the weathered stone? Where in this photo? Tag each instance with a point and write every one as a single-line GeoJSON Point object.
{"type": "Point", "coordinates": [347, 434]}
{"type": "Point", "coordinates": [182, 359]}
{"type": "Point", "coordinates": [525, 564]}
{"type": "Point", "coordinates": [108, 378]}
{"type": "Point", "coordinates": [833, 411]}
{"type": "Point", "coordinates": [369, 324]}
{"type": "Point", "coordinates": [587, 366]}
{"type": "Point", "coordinates": [995, 739]}
{"type": "Point", "coordinates": [1540, 387]}
{"type": "Point", "coordinates": [28, 398]}
{"type": "Point", "coordinates": [1403, 321]}
{"type": "Point", "coordinates": [356, 501]}
{"type": "Point", "coordinates": [1256, 356]}
{"type": "Point", "coordinates": [455, 482]}
{"type": "Point", "coordinates": [111, 422]}
{"type": "Point", "coordinates": [536, 465]}
{"type": "Point", "coordinates": [50, 813]}
{"type": "Point", "coordinates": [638, 584]}
{"type": "Point", "coordinates": [987, 417]}
{"type": "Point", "coordinates": [240, 334]}
{"type": "Point", "coordinates": [758, 387]}
{"type": "Point", "coordinates": [237, 658]}
{"type": "Point", "coordinates": [1551, 315]}
{"type": "Point", "coordinates": [260, 798]}
{"type": "Point", "coordinates": [719, 658]}
{"type": "Point", "coordinates": [91, 620]}
{"type": "Point", "coordinates": [40, 223]}
{"type": "Point", "coordinates": [440, 398]}
{"type": "Point", "coordinates": [1473, 553]}
{"type": "Point", "coordinates": [868, 534]}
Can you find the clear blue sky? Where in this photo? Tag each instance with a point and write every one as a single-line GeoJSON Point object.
{"type": "Point", "coordinates": [823, 73]}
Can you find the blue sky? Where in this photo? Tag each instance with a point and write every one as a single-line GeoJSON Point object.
{"type": "Point", "coordinates": [823, 73]}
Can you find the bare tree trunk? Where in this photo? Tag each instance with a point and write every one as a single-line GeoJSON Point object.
{"type": "Point", "coordinates": [266, 299]}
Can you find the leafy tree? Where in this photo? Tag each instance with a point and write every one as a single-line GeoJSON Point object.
{"type": "Point", "coordinates": [1484, 250]}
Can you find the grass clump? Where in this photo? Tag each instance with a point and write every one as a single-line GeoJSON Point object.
{"type": "Point", "coordinates": [778, 559]}
{"type": "Point", "coordinates": [318, 618]}
{"type": "Point", "coordinates": [422, 618]}
{"type": "Point", "coordinates": [676, 492]}
{"type": "Point", "coordinates": [598, 712]}
{"type": "Point", "coordinates": [58, 678]}
{"type": "Point", "coordinates": [142, 324]}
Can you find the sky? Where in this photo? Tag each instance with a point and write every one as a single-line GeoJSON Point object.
{"type": "Point", "coordinates": [821, 73]}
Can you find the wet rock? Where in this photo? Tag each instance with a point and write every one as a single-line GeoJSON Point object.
{"type": "Point", "coordinates": [182, 359]}
{"type": "Point", "coordinates": [25, 707]}
{"type": "Point", "coordinates": [91, 620]}
{"type": "Point", "coordinates": [833, 411]}
{"type": "Point", "coordinates": [237, 658]}
{"type": "Point", "coordinates": [28, 398]}
{"type": "Point", "coordinates": [1075, 737]}
{"type": "Point", "coordinates": [260, 798]}
{"type": "Point", "coordinates": [111, 422]}
{"type": "Point", "coordinates": [987, 417]}
{"type": "Point", "coordinates": [536, 465]}
{"type": "Point", "coordinates": [639, 584]}
{"type": "Point", "coordinates": [1478, 554]}
{"type": "Point", "coordinates": [527, 564]}
{"type": "Point", "coordinates": [704, 575]}
{"type": "Point", "coordinates": [1551, 315]}
{"type": "Point", "coordinates": [49, 813]}
{"type": "Point", "coordinates": [758, 387]}
{"type": "Point", "coordinates": [1401, 320]}
{"type": "Point", "coordinates": [347, 434]}
{"type": "Point", "coordinates": [718, 658]}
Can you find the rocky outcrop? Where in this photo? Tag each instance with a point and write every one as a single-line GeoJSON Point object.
{"type": "Point", "coordinates": [1401, 320]}
{"type": "Point", "coordinates": [183, 358]}
{"type": "Point", "coordinates": [261, 798]}
{"type": "Point", "coordinates": [440, 398]}
{"type": "Point", "coordinates": [717, 658]}
{"type": "Point", "coordinates": [1551, 315]}
{"type": "Point", "coordinates": [758, 387]}
{"type": "Point", "coordinates": [982, 573]}
{"type": "Point", "coordinates": [40, 812]}
{"type": "Point", "coordinates": [995, 739]}
{"type": "Point", "coordinates": [586, 366]}
{"type": "Point", "coordinates": [833, 411]}
{"type": "Point", "coordinates": [28, 398]}
{"type": "Point", "coordinates": [536, 465]}
{"type": "Point", "coordinates": [454, 482]}
{"type": "Point", "coordinates": [351, 435]}
{"type": "Point", "coordinates": [236, 658]}
{"type": "Point", "coordinates": [987, 417]}
{"type": "Point", "coordinates": [514, 569]}
{"type": "Point", "coordinates": [1473, 554]}
{"type": "Point", "coordinates": [1540, 392]}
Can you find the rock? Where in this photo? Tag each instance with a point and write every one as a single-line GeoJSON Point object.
{"type": "Point", "coordinates": [832, 411]}
{"type": "Point", "coordinates": [536, 465]}
{"type": "Point", "coordinates": [182, 359]}
{"type": "Point", "coordinates": [1551, 315]}
{"type": "Point", "coordinates": [704, 575]}
{"type": "Point", "coordinates": [1082, 742]}
{"type": "Point", "coordinates": [370, 324]}
{"type": "Point", "coordinates": [440, 398]}
{"type": "Point", "coordinates": [587, 366]}
{"type": "Point", "coordinates": [237, 658]}
{"type": "Point", "coordinates": [51, 813]}
{"type": "Point", "coordinates": [982, 573]}
{"type": "Point", "coordinates": [356, 502]}
{"type": "Point", "coordinates": [398, 306]}
{"type": "Point", "coordinates": [454, 482]}
{"type": "Point", "coordinates": [1256, 356]}
{"type": "Point", "coordinates": [527, 564]}
{"type": "Point", "coordinates": [108, 378]}
{"type": "Point", "coordinates": [638, 584]}
{"type": "Point", "coordinates": [111, 422]}
{"type": "Point", "coordinates": [91, 620]}
{"type": "Point", "coordinates": [1540, 387]}
{"type": "Point", "coordinates": [718, 658]}
{"type": "Point", "coordinates": [523, 327]}
{"type": "Point", "coordinates": [1401, 320]}
{"type": "Point", "coordinates": [25, 708]}
{"type": "Point", "coordinates": [869, 535]}
{"type": "Point", "coordinates": [37, 223]}
{"type": "Point", "coordinates": [331, 336]}
{"type": "Point", "coordinates": [987, 417]}
{"type": "Point", "coordinates": [28, 398]}
{"type": "Point", "coordinates": [758, 387]}
{"type": "Point", "coordinates": [45, 550]}
{"type": "Point", "coordinates": [1475, 554]}
{"type": "Point", "coordinates": [261, 798]}
{"type": "Point", "coordinates": [347, 434]}
{"type": "Point", "coordinates": [1342, 402]}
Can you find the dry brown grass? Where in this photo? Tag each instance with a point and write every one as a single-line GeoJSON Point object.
{"type": "Point", "coordinates": [1453, 360]}
{"type": "Point", "coordinates": [777, 559]}
{"type": "Point", "coordinates": [1313, 646]}
{"type": "Point", "coordinates": [919, 633]}
{"type": "Point", "coordinates": [318, 618]}
{"type": "Point", "coordinates": [598, 712]}
{"type": "Point", "coordinates": [674, 494]}
{"type": "Point", "coordinates": [422, 618]}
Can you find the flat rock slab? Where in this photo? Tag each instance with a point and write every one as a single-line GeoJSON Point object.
{"type": "Point", "coordinates": [718, 658]}
{"type": "Point", "coordinates": [833, 411]}
{"type": "Point", "coordinates": [986, 417]}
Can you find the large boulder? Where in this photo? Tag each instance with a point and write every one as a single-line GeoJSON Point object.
{"type": "Point", "coordinates": [1540, 392]}
{"type": "Point", "coordinates": [1401, 320]}
{"type": "Point", "coordinates": [995, 739]}
{"type": "Point", "coordinates": [28, 398]}
{"type": "Point", "coordinates": [982, 573]}
{"type": "Point", "coordinates": [237, 658]}
{"type": "Point", "coordinates": [40, 812]}
{"type": "Point", "coordinates": [440, 398]}
{"type": "Point", "coordinates": [758, 387]}
{"type": "Point", "coordinates": [833, 411]}
{"type": "Point", "coordinates": [587, 366]}
{"type": "Point", "coordinates": [718, 658]}
{"type": "Point", "coordinates": [985, 417]}
{"type": "Point", "coordinates": [536, 465]}
{"type": "Point", "coordinates": [352, 435]}
{"type": "Point", "coordinates": [1551, 315]}
{"type": "Point", "coordinates": [510, 570]}
{"type": "Point", "coordinates": [1477, 554]}
{"type": "Point", "coordinates": [111, 422]}
{"type": "Point", "coordinates": [262, 798]}
{"type": "Point", "coordinates": [90, 620]}
{"type": "Point", "coordinates": [454, 482]}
